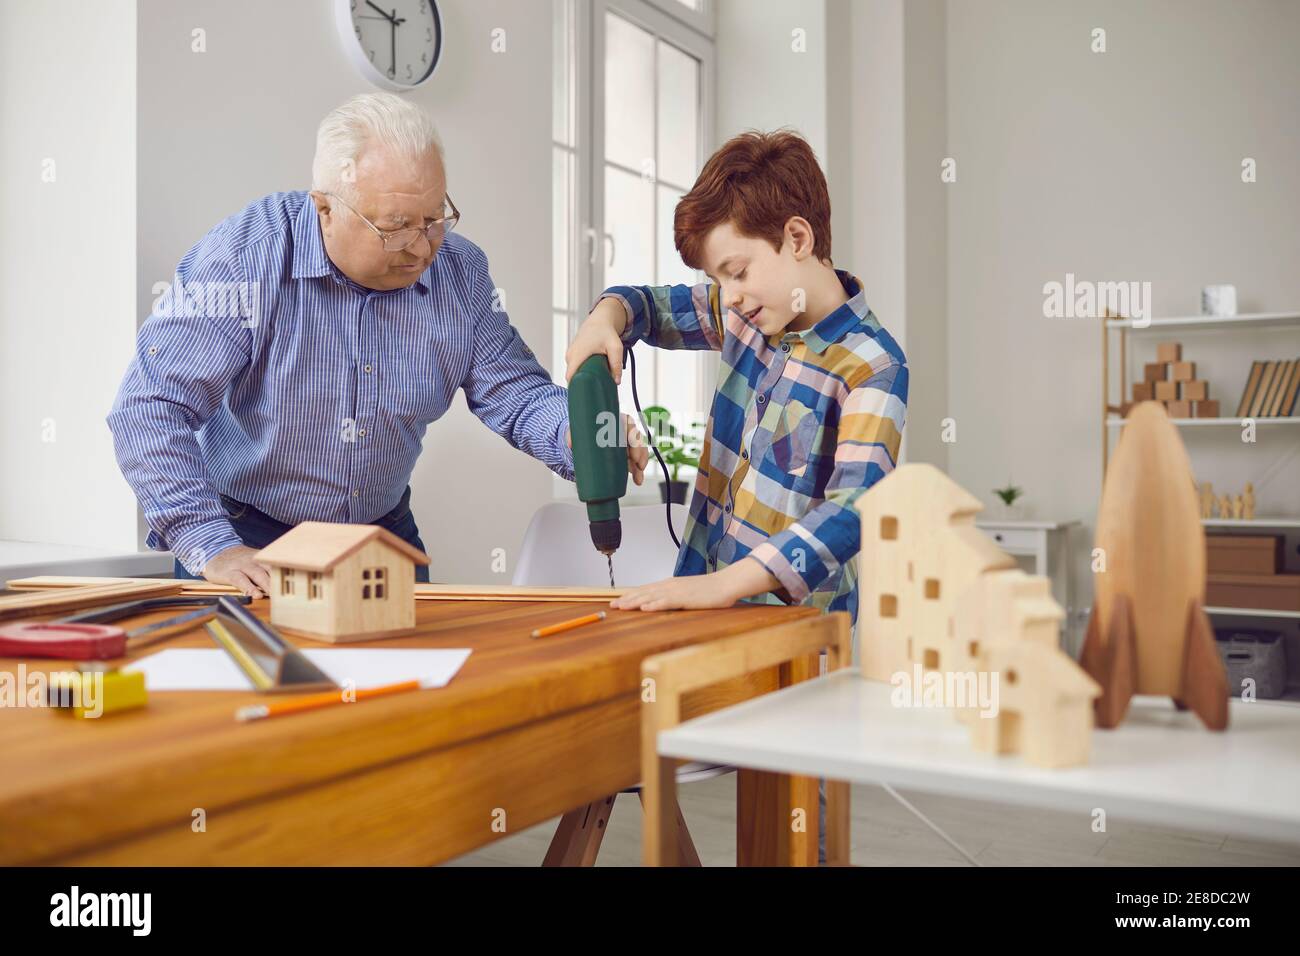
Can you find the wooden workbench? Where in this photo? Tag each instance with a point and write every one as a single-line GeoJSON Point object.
{"type": "Point", "coordinates": [527, 730]}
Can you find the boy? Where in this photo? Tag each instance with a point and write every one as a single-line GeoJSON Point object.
{"type": "Point", "coordinates": [811, 395]}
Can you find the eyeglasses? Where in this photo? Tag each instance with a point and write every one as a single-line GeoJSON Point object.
{"type": "Point", "coordinates": [395, 240]}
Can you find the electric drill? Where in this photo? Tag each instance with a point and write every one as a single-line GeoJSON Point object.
{"type": "Point", "coordinates": [599, 455]}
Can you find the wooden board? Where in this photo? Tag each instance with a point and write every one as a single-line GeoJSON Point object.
{"type": "Point", "coordinates": [42, 603]}
{"type": "Point", "coordinates": [509, 592]}
{"type": "Point", "coordinates": [47, 582]}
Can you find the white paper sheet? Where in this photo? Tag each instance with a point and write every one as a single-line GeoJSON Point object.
{"type": "Point", "coordinates": [197, 668]}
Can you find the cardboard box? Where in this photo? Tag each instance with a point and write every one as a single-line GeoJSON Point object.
{"type": "Point", "coordinates": [1267, 592]}
{"type": "Point", "coordinates": [1243, 553]}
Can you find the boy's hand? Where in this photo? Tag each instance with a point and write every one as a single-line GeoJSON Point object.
{"type": "Point", "coordinates": [638, 453]}
{"type": "Point", "coordinates": [719, 589]}
{"type": "Point", "coordinates": [600, 334]}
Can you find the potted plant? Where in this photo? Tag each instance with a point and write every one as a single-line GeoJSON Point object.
{"type": "Point", "coordinates": [1009, 496]}
{"type": "Point", "coordinates": [677, 449]}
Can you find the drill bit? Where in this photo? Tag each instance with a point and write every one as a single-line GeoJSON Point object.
{"type": "Point", "coordinates": [610, 558]}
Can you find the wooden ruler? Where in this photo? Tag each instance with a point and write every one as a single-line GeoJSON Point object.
{"type": "Point", "coordinates": [73, 598]}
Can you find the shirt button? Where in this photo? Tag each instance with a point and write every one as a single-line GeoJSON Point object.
{"type": "Point", "coordinates": [745, 454]}
{"type": "Point", "coordinates": [362, 432]}
{"type": "Point", "coordinates": [366, 367]}
{"type": "Point", "coordinates": [727, 509]}
{"type": "Point", "coordinates": [153, 350]}
{"type": "Point", "coordinates": [762, 399]}
{"type": "Point", "coordinates": [785, 346]}
{"type": "Point", "coordinates": [356, 493]}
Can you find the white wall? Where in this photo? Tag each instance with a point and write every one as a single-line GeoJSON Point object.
{"type": "Point", "coordinates": [220, 128]}
{"type": "Point", "coordinates": [1115, 166]}
{"type": "Point", "coordinates": [67, 261]}
{"type": "Point", "coordinates": [764, 82]}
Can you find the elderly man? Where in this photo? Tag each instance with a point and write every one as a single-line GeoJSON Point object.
{"type": "Point", "coordinates": [290, 372]}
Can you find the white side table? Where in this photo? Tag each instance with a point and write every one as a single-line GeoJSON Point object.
{"type": "Point", "coordinates": [1048, 543]}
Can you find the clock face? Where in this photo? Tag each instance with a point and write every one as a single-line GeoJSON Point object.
{"type": "Point", "coordinates": [399, 40]}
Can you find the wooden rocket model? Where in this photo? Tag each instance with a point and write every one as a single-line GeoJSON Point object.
{"type": "Point", "coordinates": [1148, 632]}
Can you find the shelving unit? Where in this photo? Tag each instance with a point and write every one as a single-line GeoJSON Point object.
{"type": "Point", "coordinates": [1111, 420]}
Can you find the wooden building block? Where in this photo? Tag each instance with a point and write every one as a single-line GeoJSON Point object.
{"type": "Point", "coordinates": [1196, 390]}
{"type": "Point", "coordinates": [1144, 391]}
{"type": "Point", "coordinates": [1166, 391]}
{"type": "Point", "coordinates": [1206, 409]}
{"type": "Point", "coordinates": [1182, 371]}
{"type": "Point", "coordinates": [1155, 372]}
{"type": "Point", "coordinates": [1169, 352]}
{"type": "Point", "coordinates": [1179, 409]}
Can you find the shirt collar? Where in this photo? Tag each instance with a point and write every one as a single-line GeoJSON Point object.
{"type": "Point", "coordinates": [310, 260]}
{"type": "Point", "coordinates": [835, 326]}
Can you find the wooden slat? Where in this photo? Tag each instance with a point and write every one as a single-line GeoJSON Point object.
{"type": "Point", "coordinates": [42, 603]}
{"type": "Point", "coordinates": [48, 582]}
{"type": "Point", "coordinates": [507, 592]}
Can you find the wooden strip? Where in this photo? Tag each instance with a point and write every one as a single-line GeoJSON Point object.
{"type": "Point", "coordinates": [72, 599]}
{"type": "Point", "coordinates": [49, 582]}
{"type": "Point", "coordinates": [506, 592]}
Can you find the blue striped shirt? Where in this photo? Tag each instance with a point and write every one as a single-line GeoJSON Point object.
{"type": "Point", "coordinates": [267, 375]}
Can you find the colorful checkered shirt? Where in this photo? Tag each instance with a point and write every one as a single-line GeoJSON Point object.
{"type": "Point", "coordinates": [802, 424]}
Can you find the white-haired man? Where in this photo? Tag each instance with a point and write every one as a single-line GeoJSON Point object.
{"type": "Point", "coordinates": [290, 372]}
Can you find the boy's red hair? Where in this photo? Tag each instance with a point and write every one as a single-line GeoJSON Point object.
{"type": "Point", "coordinates": [757, 181]}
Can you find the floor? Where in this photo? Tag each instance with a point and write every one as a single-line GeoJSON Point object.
{"type": "Point", "coordinates": [886, 834]}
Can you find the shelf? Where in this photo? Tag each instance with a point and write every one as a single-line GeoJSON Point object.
{"type": "Point", "coordinates": [1279, 420]}
{"type": "Point", "coordinates": [1251, 523]}
{"type": "Point", "coordinates": [1253, 612]}
{"type": "Point", "coordinates": [1208, 321]}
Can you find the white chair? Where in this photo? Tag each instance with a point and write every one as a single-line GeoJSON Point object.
{"type": "Point", "coordinates": [557, 551]}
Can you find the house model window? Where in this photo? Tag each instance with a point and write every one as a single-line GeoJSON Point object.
{"type": "Point", "coordinates": [372, 583]}
{"type": "Point", "coordinates": [313, 586]}
{"type": "Point", "coordinates": [286, 581]}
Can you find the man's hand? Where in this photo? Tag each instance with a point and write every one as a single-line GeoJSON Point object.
{"type": "Point", "coordinates": [638, 455]}
{"type": "Point", "coordinates": [600, 334]}
{"type": "Point", "coordinates": [236, 566]}
{"type": "Point", "coordinates": [719, 589]}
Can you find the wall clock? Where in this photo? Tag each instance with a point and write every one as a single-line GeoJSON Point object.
{"type": "Point", "coordinates": [395, 44]}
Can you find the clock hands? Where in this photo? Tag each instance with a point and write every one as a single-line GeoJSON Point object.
{"type": "Point", "coordinates": [394, 21]}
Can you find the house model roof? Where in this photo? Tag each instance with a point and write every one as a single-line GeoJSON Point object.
{"type": "Point", "coordinates": [319, 545]}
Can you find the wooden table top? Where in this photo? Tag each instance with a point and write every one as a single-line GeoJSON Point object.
{"type": "Point", "coordinates": [66, 784]}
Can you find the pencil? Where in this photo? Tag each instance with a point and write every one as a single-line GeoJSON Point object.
{"type": "Point", "coordinates": [324, 699]}
{"type": "Point", "coordinates": [568, 625]}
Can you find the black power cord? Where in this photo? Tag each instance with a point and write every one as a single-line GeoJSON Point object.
{"type": "Point", "coordinates": [629, 356]}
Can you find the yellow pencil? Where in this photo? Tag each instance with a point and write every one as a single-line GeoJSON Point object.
{"type": "Point", "coordinates": [569, 625]}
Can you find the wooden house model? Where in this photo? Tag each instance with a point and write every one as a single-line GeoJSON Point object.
{"type": "Point", "coordinates": [936, 593]}
{"type": "Point", "coordinates": [342, 582]}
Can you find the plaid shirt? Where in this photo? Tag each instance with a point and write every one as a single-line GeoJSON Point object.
{"type": "Point", "coordinates": [802, 424]}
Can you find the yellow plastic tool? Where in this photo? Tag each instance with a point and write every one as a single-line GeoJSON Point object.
{"type": "Point", "coordinates": [91, 692]}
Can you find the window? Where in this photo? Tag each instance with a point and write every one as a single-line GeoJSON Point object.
{"type": "Point", "coordinates": [313, 585]}
{"type": "Point", "coordinates": [286, 581]}
{"type": "Point", "coordinates": [632, 101]}
{"type": "Point", "coordinates": [377, 577]}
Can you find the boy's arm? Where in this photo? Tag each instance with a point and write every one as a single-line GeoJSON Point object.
{"type": "Point", "coordinates": [816, 546]}
{"type": "Point", "coordinates": [671, 316]}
